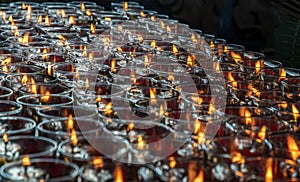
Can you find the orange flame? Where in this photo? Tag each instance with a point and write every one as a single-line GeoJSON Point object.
{"type": "Point", "coordinates": [24, 79]}
{"type": "Point", "coordinates": [49, 69]}
{"type": "Point", "coordinates": [293, 147]}
{"type": "Point", "coordinates": [235, 57]}
{"type": "Point", "coordinates": [262, 133]}
{"type": "Point", "coordinates": [153, 43]}
{"type": "Point", "coordinates": [46, 97]}
{"type": "Point", "coordinates": [40, 19]}
{"type": "Point", "coordinates": [25, 39]}
{"type": "Point", "coordinates": [172, 163]}
{"type": "Point", "coordinates": [23, 6]}
{"type": "Point", "coordinates": [113, 65]}
{"type": "Point", "coordinates": [82, 6]}
{"type": "Point", "coordinates": [153, 96]}
{"type": "Point", "coordinates": [61, 12]}
{"type": "Point", "coordinates": [118, 174]}
{"type": "Point", "coordinates": [295, 112]}
{"type": "Point", "coordinates": [269, 171]}
{"type": "Point", "coordinates": [143, 15]}
{"type": "Point", "coordinates": [72, 20]}
{"type": "Point", "coordinates": [93, 28]}
{"type": "Point", "coordinates": [98, 162]}
{"type": "Point", "coordinates": [89, 13]}
{"type": "Point", "coordinates": [175, 50]}
{"type": "Point", "coordinates": [146, 62]}
{"type": "Point", "coordinates": [74, 138]}
{"type": "Point", "coordinates": [26, 161]}
{"type": "Point", "coordinates": [6, 61]}
{"type": "Point", "coordinates": [125, 5]}
{"type": "Point", "coordinates": [108, 108]}
{"type": "Point", "coordinates": [282, 73]}
{"type": "Point", "coordinates": [141, 142]}
{"type": "Point", "coordinates": [244, 112]}
{"type": "Point", "coordinates": [200, 176]}
{"type": "Point", "coordinates": [258, 66]}
{"type": "Point", "coordinates": [5, 138]}
{"type": "Point", "coordinates": [153, 18]}
{"type": "Point", "coordinates": [70, 123]}
{"type": "Point", "coordinates": [236, 157]}
{"type": "Point", "coordinates": [47, 20]}
{"type": "Point", "coordinates": [190, 61]}
{"type": "Point", "coordinates": [33, 87]}
{"type": "Point", "coordinates": [107, 18]}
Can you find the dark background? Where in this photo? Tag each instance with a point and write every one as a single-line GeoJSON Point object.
{"type": "Point", "coordinates": [259, 25]}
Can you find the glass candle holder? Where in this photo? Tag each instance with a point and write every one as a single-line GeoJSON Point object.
{"type": "Point", "coordinates": [102, 170]}
{"type": "Point", "coordinates": [17, 147]}
{"type": "Point", "coordinates": [248, 111]}
{"type": "Point", "coordinates": [233, 53]}
{"type": "Point", "coordinates": [86, 150]}
{"type": "Point", "coordinates": [21, 68]}
{"type": "Point", "coordinates": [65, 112]}
{"type": "Point", "coordinates": [15, 125]}
{"type": "Point", "coordinates": [32, 103]}
{"type": "Point", "coordinates": [40, 169]}
{"type": "Point", "coordinates": [268, 168]}
{"type": "Point", "coordinates": [10, 108]}
{"type": "Point", "coordinates": [62, 129]}
{"type": "Point", "coordinates": [288, 112]}
{"type": "Point", "coordinates": [42, 88]}
{"type": "Point", "coordinates": [5, 93]}
{"type": "Point", "coordinates": [286, 145]}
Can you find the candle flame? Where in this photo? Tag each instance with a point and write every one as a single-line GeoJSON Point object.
{"type": "Point", "coordinates": [258, 66]}
{"type": "Point", "coordinates": [74, 138]}
{"type": "Point", "coordinates": [47, 20]}
{"type": "Point", "coordinates": [98, 162]}
{"type": "Point", "coordinates": [89, 13]}
{"type": "Point", "coordinates": [141, 142]}
{"type": "Point", "coordinates": [107, 18]}
{"type": "Point", "coordinates": [23, 6]}
{"type": "Point", "coordinates": [212, 45]}
{"type": "Point", "coordinates": [153, 18]}
{"type": "Point", "coordinates": [24, 79]}
{"type": "Point", "coordinates": [244, 112]}
{"type": "Point", "coordinates": [5, 137]}
{"type": "Point", "coordinates": [283, 105]}
{"type": "Point", "coordinates": [146, 62]}
{"type": "Point", "coordinates": [282, 73]}
{"type": "Point", "coordinates": [143, 15]}
{"type": "Point", "coordinates": [295, 112]}
{"type": "Point", "coordinates": [72, 20]}
{"type": "Point", "coordinates": [49, 70]}
{"type": "Point", "coordinates": [40, 19]}
{"type": "Point", "coordinates": [262, 133]}
{"type": "Point", "coordinates": [82, 6]}
{"type": "Point", "coordinates": [269, 171]}
{"type": "Point", "coordinates": [293, 147]}
{"type": "Point", "coordinates": [190, 61]}
{"type": "Point", "coordinates": [6, 61]}
{"type": "Point", "coordinates": [153, 44]}
{"type": "Point", "coordinates": [175, 50]}
{"type": "Point", "coordinates": [25, 39]}
{"type": "Point", "coordinates": [200, 176]}
{"type": "Point", "coordinates": [236, 157]}
{"type": "Point", "coordinates": [93, 28]}
{"type": "Point", "coordinates": [211, 109]}
{"type": "Point", "coordinates": [26, 161]}
{"type": "Point", "coordinates": [70, 123]}
{"type": "Point", "coordinates": [46, 97]}
{"type": "Point", "coordinates": [61, 12]}
{"type": "Point", "coordinates": [168, 29]}
{"type": "Point", "coordinates": [113, 65]}
{"type": "Point", "coordinates": [193, 38]}
{"type": "Point", "coordinates": [153, 96]}
{"type": "Point", "coordinates": [235, 57]}
{"type": "Point", "coordinates": [197, 100]}
{"type": "Point", "coordinates": [125, 5]}
{"type": "Point", "coordinates": [172, 163]}
{"type": "Point", "coordinates": [33, 86]}
{"type": "Point", "coordinates": [108, 108]}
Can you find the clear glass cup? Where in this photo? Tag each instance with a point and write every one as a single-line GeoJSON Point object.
{"type": "Point", "coordinates": [19, 146]}
{"type": "Point", "coordinates": [16, 125]}
{"type": "Point", "coordinates": [10, 108]}
{"type": "Point", "coordinates": [41, 169]}
{"type": "Point", "coordinates": [60, 130]}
